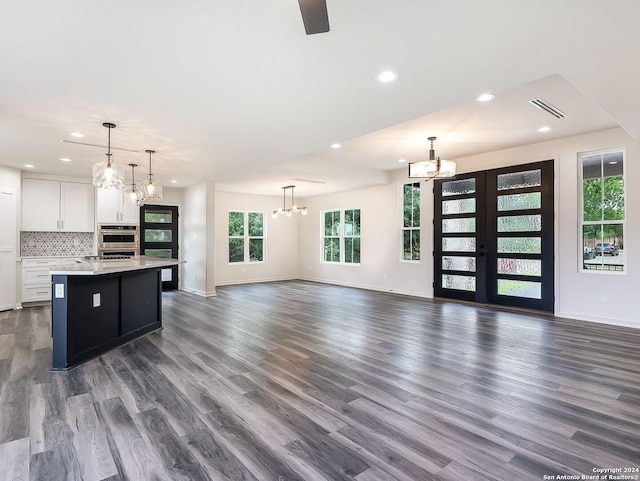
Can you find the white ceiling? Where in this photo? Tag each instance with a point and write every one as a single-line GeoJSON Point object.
{"type": "Point", "coordinates": [233, 91]}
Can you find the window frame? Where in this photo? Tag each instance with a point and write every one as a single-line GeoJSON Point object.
{"type": "Point", "coordinates": [341, 236]}
{"type": "Point", "coordinates": [413, 227]}
{"type": "Point", "coordinates": [246, 237]}
{"type": "Point", "coordinates": [582, 223]}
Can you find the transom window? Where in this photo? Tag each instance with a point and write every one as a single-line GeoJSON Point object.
{"type": "Point", "coordinates": [341, 236]}
{"type": "Point", "coordinates": [246, 236]}
{"type": "Point", "coordinates": [411, 222]}
{"type": "Point", "coordinates": [603, 211]}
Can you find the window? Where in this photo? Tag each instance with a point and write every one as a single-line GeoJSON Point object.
{"type": "Point", "coordinates": [246, 236]}
{"type": "Point", "coordinates": [603, 211]}
{"type": "Point", "coordinates": [341, 236]}
{"type": "Point", "coordinates": [411, 222]}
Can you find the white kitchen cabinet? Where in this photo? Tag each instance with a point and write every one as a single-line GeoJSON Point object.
{"type": "Point", "coordinates": [111, 208]}
{"type": "Point", "coordinates": [36, 279]}
{"type": "Point", "coordinates": [49, 205]}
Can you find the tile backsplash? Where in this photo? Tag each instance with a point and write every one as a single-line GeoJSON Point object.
{"type": "Point", "coordinates": [56, 244]}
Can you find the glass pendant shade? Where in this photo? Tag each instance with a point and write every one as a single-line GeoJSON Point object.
{"type": "Point", "coordinates": [107, 174]}
{"type": "Point", "coordinates": [134, 195]}
{"type": "Point", "coordinates": [432, 168]}
{"type": "Point", "coordinates": [151, 189]}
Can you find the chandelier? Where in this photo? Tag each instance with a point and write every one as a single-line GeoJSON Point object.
{"type": "Point", "coordinates": [108, 174]}
{"type": "Point", "coordinates": [432, 168]}
{"type": "Point", "coordinates": [151, 190]}
{"type": "Point", "coordinates": [135, 194]}
{"type": "Point", "coordinates": [294, 209]}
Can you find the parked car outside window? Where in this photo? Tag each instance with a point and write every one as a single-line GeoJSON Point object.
{"type": "Point", "coordinates": [603, 248]}
{"type": "Point", "coordinates": [589, 253]}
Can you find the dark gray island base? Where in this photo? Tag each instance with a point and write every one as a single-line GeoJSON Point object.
{"type": "Point", "coordinates": [104, 306]}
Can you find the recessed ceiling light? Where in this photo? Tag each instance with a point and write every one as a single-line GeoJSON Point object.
{"type": "Point", "coordinates": [402, 160]}
{"type": "Point", "coordinates": [388, 76]}
{"type": "Point", "coordinates": [29, 166]}
{"type": "Point", "coordinates": [77, 134]}
{"type": "Point", "coordinates": [485, 97]}
{"type": "Point", "coordinates": [174, 181]}
{"type": "Point", "coordinates": [64, 159]}
{"type": "Point", "coordinates": [336, 146]}
{"type": "Point", "coordinates": [546, 128]}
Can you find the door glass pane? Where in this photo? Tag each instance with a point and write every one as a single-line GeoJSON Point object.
{"type": "Point", "coordinates": [157, 235]}
{"type": "Point", "coordinates": [467, 224]}
{"type": "Point", "coordinates": [509, 287]}
{"type": "Point", "coordinates": [518, 180]}
{"type": "Point", "coordinates": [520, 223]}
{"type": "Point", "coordinates": [459, 244]}
{"type": "Point", "coordinates": [459, 187]}
{"type": "Point", "coordinates": [158, 216]}
{"type": "Point", "coordinates": [520, 267]}
{"type": "Point", "coordinates": [459, 263]}
{"type": "Point", "coordinates": [461, 283]}
{"type": "Point", "coordinates": [520, 245]}
{"type": "Point", "coordinates": [164, 253]}
{"type": "Point", "coordinates": [459, 206]}
{"type": "Point", "coordinates": [530, 200]}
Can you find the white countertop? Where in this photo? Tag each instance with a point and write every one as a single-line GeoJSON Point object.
{"type": "Point", "coordinates": [97, 267]}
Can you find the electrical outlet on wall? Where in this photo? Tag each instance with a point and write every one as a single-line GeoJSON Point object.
{"type": "Point", "coordinates": [606, 298]}
{"type": "Point", "coordinates": [96, 299]}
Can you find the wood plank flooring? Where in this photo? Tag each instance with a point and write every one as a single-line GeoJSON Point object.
{"type": "Point", "coordinates": [304, 381]}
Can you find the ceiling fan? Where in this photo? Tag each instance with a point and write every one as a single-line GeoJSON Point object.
{"type": "Point", "coordinates": [314, 16]}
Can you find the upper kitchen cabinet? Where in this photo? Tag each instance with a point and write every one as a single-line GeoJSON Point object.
{"type": "Point", "coordinates": [111, 208]}
{"type": "Point", "coordinates": [49, 205]}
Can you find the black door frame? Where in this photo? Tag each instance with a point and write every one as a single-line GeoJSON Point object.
{"type": "Point", "coordinates": [486, 254]}
{"type": "Point", "coordinates": [173, 245]}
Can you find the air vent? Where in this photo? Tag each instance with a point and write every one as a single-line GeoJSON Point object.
{"type": "Point", "coordinates": [547, 107]}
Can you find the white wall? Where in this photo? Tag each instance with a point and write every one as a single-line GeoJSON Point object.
{"type": "Point", "coordinates": [578, 294]}
{"type": "Point", "coordinates": [10, 178]}
{"type": "Point", "coordinates": [381, 267]}
{"type": "Point", "coordinates": [281, 250]}
{"type": "Point", "coordinates": [198, 239]}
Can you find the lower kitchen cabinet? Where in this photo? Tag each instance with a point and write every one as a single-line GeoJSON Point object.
{"type": "Point", "coordinates": [36, 280]}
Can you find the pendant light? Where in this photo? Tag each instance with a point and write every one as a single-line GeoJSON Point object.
{"type": "Point", "coordinates": [134, 195]}
{"type": "Point", "coordinates": [294, 209]}
{"type": "Point", "coordinates": [108, 174]}
{"type": "Point", "coordinates": [152, 190]}
{"type": "Point", "coordinates": [432, 168]}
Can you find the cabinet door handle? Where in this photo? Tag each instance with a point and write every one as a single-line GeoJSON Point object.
{"type": "Point", "coordinates": [42, 292]}
{"type": "Point", "coordinates": [42, 275]}
{"type": "Point", "coordinates": [57, 224]}
{"type": "Point", "coordinates": [62, 224]}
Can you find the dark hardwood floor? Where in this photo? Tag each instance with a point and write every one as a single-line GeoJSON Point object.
{"type": "Point", "coordinates": [303, 381]}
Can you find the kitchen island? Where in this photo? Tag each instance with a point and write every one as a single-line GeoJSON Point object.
{"type": "Point", "coordinates": [98, 305]}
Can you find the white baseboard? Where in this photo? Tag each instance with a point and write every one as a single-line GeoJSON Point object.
{"type": "Point", "coordinates": [200, 293]}
{"type": "Point", "coordinates": [255, 281]}
{"type": "Point", "coordinates": [367, 287]}
{"type": "Point", "coordinates": [599, 320]}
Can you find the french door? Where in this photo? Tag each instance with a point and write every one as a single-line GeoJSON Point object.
{"type": "Point", "coordinates": [493, 236]}
{"type": "Point", "coordinates": [159, 226]}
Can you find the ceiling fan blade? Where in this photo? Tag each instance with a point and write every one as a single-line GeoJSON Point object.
{"type": "Point", "coordinates": [314, 16]}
